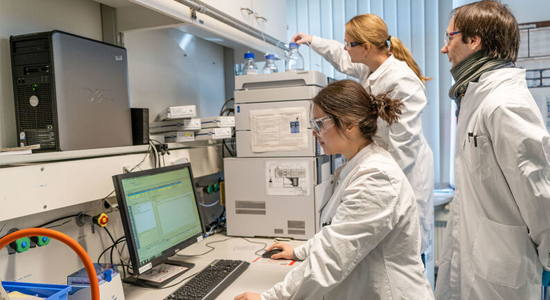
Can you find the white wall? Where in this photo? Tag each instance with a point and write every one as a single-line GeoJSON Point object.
{"type": "Point", "coordinates": [530, 11]}
{"type": "Point", "coordinates": [82, 17]}
{"type": "Point", "coordinates": [163, 71]}
{"type": "Point", "coordinates": [525, 11]}
{"type": "Point", "coordinates": [174, 68]}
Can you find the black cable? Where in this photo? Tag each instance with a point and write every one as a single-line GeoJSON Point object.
{"type": "Point", "coordinates": [224, 104]}
{"type": "Point", "coordinates": [146, 154]}
{"type": "Point", "coordinates": [120, 240]}
{"type": "Point", "coordinates": [228, 111]}
{"type": "Point", "coordinates": [59, 225]}
{"type": "Point", "coordinates": [218, 221]}
{"type": "Point", "coordinates": [58, 219]}
{"type": "Point", "coordinates": [114, 244]}
{"type": "Point", "coordinates": [262, 243]}
{"type": "Point", "coordinates": [228, 150]}
{"type": "Point", "coordinates": [229, 238]}
{"type": "Point", "coordinates": [112, 249]}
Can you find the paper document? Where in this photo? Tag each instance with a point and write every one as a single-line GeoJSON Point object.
{"type": "Point", "coordinates": [287, 178]}
{"type": "Point", "coordinates": [282, 129]}
{"type": "Point", "coordinates": [280, 262]}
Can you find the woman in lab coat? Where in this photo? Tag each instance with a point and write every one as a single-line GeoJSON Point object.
{"type": "Point", "coordinates": [368, 245]}
{"type": "Point", "coordinates": [384, 65]}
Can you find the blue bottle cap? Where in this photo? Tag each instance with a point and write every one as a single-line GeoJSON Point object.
{"type": "Point", "coordinates": [248, 55]}
{"type": "Point", "coordinates": [270, 56]}
{"type": "Point", "coordinates": [293, 45]}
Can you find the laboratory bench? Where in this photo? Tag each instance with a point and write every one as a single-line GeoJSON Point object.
{"type": "Point", "coordinates": [261, 275]}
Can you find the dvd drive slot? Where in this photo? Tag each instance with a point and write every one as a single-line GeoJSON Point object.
{"type": "Point", "coordinates": [36, 69]}
{"type": "Point", "coordinates": [31, 58]}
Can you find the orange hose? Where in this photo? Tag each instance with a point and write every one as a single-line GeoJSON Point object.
{"type": "Point", "coordinates": [94, 285]}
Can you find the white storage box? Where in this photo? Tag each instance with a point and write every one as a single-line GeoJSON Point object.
{"type": "Point", "coordinates": [179, 136]}
{"type": "Point", "coordinates": [175, 125]}
{"type": "Point", "coordinates": [214, 133]}
{"type": "Point", "coordinates": [179, 112]}
{"type": "Point", "coordinates": [108, 277]}
{"type": "Point", "coordinates": [219, 121]}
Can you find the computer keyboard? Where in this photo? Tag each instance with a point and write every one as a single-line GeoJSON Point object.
{"type": "Point", "coordinates": [211, 281]}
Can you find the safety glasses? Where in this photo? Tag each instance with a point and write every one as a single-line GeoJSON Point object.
{"type": "Point", "coordinates": [322, 125]}
{"type": "Point", "coordinates": [348, 45]}
{"type": "Point", "coordinates": [449, 35]}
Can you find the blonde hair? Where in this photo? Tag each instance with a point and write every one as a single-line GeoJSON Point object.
{"type": "Point", "coordinates": [369, 28]}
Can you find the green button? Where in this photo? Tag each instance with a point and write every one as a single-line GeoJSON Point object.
{"type": "Point", "coordinates": [42, 241]}
{"type": "Point", "coordinates": [22, 244]}
{"type": "Point", "coordinates": [209, 189]}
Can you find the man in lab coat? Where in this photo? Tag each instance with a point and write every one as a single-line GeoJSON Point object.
{"type": "Point", "coordinates": [498, 236]}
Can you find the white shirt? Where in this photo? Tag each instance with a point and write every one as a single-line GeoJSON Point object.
{"type": "Point", "coordinates": [498, 234]}
{"type": "Point", "coordinates": [403, 139]}
{"type": "Point", "coordinates": [370, 249]}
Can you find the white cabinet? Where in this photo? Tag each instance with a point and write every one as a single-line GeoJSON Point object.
{"type": "Point", "coordinates": [270, 17]}
{"type": "Point", "coordinates": [238, 9]}
{"type": "Point", "coordinates": [266, 16]}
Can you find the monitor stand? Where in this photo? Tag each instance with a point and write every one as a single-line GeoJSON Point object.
{"type": "Point", "coordinates": [161, 274]}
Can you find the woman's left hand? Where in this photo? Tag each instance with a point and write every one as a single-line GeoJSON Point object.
{"type": "Point", "coordinates": [249, 296]}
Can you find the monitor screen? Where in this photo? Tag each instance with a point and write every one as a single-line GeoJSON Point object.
{"type": "Point", "coordinates": [159, 213]}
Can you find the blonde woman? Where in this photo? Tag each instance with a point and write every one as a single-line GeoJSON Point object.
{"type": "Point", "coordinates": [384, 65]}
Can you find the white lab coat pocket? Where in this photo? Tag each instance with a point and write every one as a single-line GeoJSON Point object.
{"type": "Point", "coordinates": [500, 252]}
{"type": "Point", "coordinates": [473, 152]}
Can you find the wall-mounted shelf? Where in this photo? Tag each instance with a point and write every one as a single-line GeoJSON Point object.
{"type": "Point", "coordinates": [134, 15]}
{"type": "Point", "coordinates": [43, 182]}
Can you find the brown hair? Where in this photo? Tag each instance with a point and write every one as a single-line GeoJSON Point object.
{"type": "Point", "coordinates": [369, 28]}
{"type": "Point", "coordinates": [349, 103]}
{"type": "Point", "coordinates": [494, 23]}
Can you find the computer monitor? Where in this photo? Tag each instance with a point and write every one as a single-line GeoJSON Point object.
{"type": "Point", "coordinates": [160, 215]}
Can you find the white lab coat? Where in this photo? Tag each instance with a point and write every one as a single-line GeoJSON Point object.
{"type": "Point", "coordinates": [498, 234]}
{"type": "Point", "coordinates": [370, 249]}
{"type": "Point", "coordinates": [404, 139]}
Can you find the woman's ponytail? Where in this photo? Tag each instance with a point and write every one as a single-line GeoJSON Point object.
{"type": "Point", "coordinates": [387, 108]}
{"type": "Point", "coordinates": [401, 52]}
{"type": "Point", "coordinates": [370, 28]}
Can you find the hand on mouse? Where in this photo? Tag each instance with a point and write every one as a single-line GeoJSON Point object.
{"type": "Point", "coordinates": [285, 254]}
{"type": "Point", "coordinates": [248, 296]}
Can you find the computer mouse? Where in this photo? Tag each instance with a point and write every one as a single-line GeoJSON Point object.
{"type": "Point", "coordinates": [268, 254]}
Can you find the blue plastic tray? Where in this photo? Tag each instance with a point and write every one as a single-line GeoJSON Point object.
{"type": "Point", "coordinates": [48, 291]}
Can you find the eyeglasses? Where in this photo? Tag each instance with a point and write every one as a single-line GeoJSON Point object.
{"type": "Point", "coordinates": [322, 125]}
{"type": "Point", "coordinates": [448, 36]}
{"type": "Point", "coordinates": [348, 45]}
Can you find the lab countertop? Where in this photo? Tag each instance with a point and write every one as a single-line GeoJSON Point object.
{"type": "Point", "coordinates": [261, 275]}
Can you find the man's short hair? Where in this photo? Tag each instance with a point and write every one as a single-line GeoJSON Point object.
{"type": "Point", "coordinates": [494, 23]}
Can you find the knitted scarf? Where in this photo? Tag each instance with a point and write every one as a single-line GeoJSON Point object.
{"type": "Point", "coordinates": [469, 70]}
